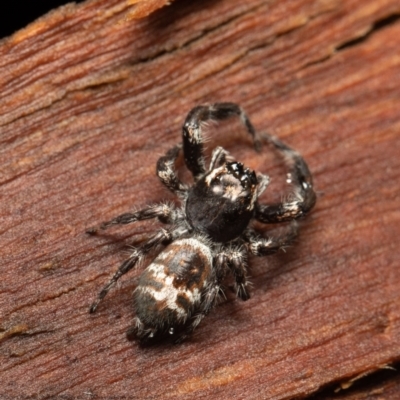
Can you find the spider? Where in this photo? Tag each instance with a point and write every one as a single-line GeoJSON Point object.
{"type": "Point", "coordinates": [211, 233]}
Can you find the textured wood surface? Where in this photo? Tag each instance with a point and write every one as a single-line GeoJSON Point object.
{"type": "Point", "coordinates": [91, 100]}
{"type": "Point", "coordinates": [381, 385]}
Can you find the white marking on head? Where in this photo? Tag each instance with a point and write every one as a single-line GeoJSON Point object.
{"type": "Point", "coordinates": [233, 192]}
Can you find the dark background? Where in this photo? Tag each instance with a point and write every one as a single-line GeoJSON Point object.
{"type": "Point", "coordinates": [17, 14]}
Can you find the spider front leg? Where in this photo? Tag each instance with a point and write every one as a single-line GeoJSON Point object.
{"type": "Point", "coordinates": [164, 212]}
{"type": "Point", "coordinates": [260, 246]}
{"type": "Point", "coordinates": [162, 237]}
{"type": "Point", "coordinates": [218, 157]}
{"type": "Point", "coordinates": [303, 198]}
{"type": "Point", "coordinates": [192, 135]}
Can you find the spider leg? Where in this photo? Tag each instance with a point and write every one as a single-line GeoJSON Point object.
{"type": "Point", "coordinates": [218, 157]}
{"type": "Point", "coordinates": [164, 212]}
{"type": "Point", "coordinates": [192, 137]}
{"type": "Point", "coordinates": [167, 174]}
{"type": "Point", "coordinates": [303, 198]}
{"type": "Point", "coordinates": [162, 237]}
{"type": "Point", "coordinates": [236, 260]}
{"type": "Point", "coordinates": [260, 246]}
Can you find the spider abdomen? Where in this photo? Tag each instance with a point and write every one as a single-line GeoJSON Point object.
{"type": "Point", "coordinates": [171, 288]}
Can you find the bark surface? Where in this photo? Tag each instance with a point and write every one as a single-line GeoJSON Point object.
{"type": "Point", "coordinates": [92, 96]}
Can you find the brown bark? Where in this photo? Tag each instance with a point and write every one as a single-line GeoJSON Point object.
{"type": "Point", "coordinates": [91, 100]}
{"type": "Point", "coordinates": [384, 384]}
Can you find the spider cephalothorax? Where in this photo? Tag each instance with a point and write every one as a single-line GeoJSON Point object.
{"type": "Point", "coordinates": [221, 203]}
{"type": "Point", "coordinates": [210, 234]}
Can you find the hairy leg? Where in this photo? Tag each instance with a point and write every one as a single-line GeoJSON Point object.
{"type": "Point", "coordinates": [162, 237]}
{"type": "Point", "coordinates": [301, 200]}
{"type": "Point", "coordinates": [260, 246]}
{"type": "Point", "coordinates": [164, 212]}
{"type": "Point", "coordinates": [192, 135]}
{"type": "Point", "coordinates": [167, 173]}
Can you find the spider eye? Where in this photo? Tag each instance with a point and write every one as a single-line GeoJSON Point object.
{"type": "Point", "coordinates": [246, 177]}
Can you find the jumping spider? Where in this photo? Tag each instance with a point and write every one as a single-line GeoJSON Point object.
{"type": "Point", "coordinates": [211, 233]}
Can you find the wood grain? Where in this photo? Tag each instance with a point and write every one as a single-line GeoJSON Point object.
{"type": "Point", "coordinates": [383, 384]}
{"type": "Point", "coordinates": [91, 100]}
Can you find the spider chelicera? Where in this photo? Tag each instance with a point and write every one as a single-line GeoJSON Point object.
{"type": "Point", "coordinates": [210, 233]}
